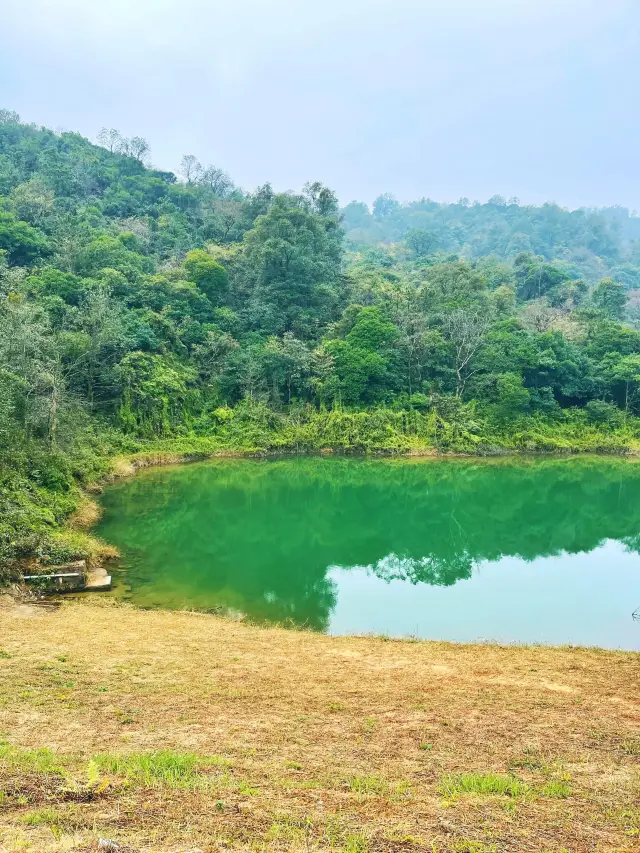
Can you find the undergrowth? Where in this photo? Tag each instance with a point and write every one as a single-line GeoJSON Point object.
{"type": "Point", "coordinates": [40, 490]}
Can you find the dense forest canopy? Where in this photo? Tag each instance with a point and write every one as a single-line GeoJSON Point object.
{"type": "Point", "coordinates": [137, 305]}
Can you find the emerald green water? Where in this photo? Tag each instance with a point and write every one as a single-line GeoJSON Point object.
{"type": "Point", "coordinates": [537, 551]}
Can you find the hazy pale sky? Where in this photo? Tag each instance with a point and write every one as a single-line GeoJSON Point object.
{"type": "Point", "coordinates": [439, 98]}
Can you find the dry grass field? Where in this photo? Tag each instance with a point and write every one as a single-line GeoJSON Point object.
{"type": "Point", "coordinates": [176, 732]}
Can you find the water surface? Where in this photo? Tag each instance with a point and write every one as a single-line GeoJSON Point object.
{"type": "Point", "coordinates": [517, 551]}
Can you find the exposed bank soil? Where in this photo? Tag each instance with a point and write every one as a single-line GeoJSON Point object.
{"type": "Point", "coordinates": [343, 743]}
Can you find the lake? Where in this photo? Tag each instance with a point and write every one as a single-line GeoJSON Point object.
{"type": "Point", "coordinates": [528, 551]}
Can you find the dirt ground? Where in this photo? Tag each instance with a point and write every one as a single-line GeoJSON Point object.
{"type": "Point", "coordinates": [175, 732]}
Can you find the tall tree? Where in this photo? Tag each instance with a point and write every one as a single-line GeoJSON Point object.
{"type": "Point", "coordinates": [110, 138]}
{"type": "Point", "coordinates": [190, 168]}
{"type": "Point", "coordinates": [467, 329]}
{"type": "Point", "coordinates": [292, 262]}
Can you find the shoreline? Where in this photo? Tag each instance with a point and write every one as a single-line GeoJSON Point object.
{"type": "Point", "coordinates": [551, 468]}
{"type": "Point", "coordinates": [122, 466]}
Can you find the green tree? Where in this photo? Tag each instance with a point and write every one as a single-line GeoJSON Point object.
{"type": "Point", "coordinates": [421, 241]}
{"type": "Point", "coordinates": [112, 253]}
{"type": "Point", "coordinates": [355, 375]}
{"type": "Point", "coordinates": [100, 320]}
{"type": "Point", "coordinates": [33, 202]}
{"type": "Point", "coordinates": [292, 268]}
{"type": "Point", "coordinates": [535, 278]}
{"type": "Point", "coordinates": [156, 393]}
{"type": "Point", "coordinates": [610, 297]}
{"type": "Point", "coordinates": [512, 398]}
{"type": "Point", "coordinates": [372, 331]}
{"type": "Point", "coordinates": [22, 243]}
{"type": "Point", "coordinates": [30, 363]}
{"type": "Point", "coordinates": [624, 371]}
{"type": "Point", "coordinates": [209, 276]}
{"type": "Point", "coordinates": [287, 365]}
{"type": "Point", "coordinates": [453, 285]}
{"type": "Point", "coordinates": [360, 364]}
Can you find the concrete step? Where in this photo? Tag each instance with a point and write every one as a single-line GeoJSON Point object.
{"type": "Point", "coordinates": [98, 581]}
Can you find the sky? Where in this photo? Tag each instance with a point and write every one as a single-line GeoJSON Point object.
{"type": "Point", "coordinates": [440, 98]}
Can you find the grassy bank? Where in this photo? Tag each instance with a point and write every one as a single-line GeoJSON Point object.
{"type": "Point", "coordinates": [258, 429]}
{"type": "Point", "coordinates": [43, 495]}
{"type": "Point", "coordinates": [180, 732]}
{"type": "Point", "coordinates": [45, 509]}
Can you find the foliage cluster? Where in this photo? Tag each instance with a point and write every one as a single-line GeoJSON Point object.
{"type": "Point", "coordinates": [137, 309]}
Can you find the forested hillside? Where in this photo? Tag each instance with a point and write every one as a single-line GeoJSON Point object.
{"type": "Point", "coordinates": [583, 243]}
{"type": "Point", "coordinates": [139, 309]}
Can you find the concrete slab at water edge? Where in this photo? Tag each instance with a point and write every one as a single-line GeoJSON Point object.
{"type": "Point", "coordinates": [98, 580]}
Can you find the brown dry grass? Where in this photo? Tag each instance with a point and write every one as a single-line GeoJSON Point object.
{"type": "Point", "coordinates": [322, 743]}
{"type": "Point", "coordinates": [86, 515]}
{"type": "Point", "coordinates": [125, 466]}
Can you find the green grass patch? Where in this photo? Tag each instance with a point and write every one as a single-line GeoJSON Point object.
{"type": "Point", "coordinates": [368, 785]}
{"type": "Point", "coordinates": [401, 791]}
{"type": "Point", "coordinates": [29, 760]}
{"type": "Point", "coordinates": [42, 817]}
{"type": "Point", "coordinates": [482, 784]}
{"type": "Point", "coordinates": [355, 843]}
{"type": "Point", "coordinates": [631, 747]}
{"type": "Point", "coordinates": [292, 830]}
{"type": "Point", "coordinates": [556, 789]}
{"type": "Point", "coordinates": [463, 846]}
{"type": "Point", "coordinates": [163, 768]}
{"type": "Point", "coordinates": [500, 785]}
{"type": "Point", "coordinates": [375, 786]}
{"type": "Point", "coordinates": [57, 820]}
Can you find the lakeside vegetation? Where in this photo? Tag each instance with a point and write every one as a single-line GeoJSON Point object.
{"type": "Point", "coordinates": [147, 316]}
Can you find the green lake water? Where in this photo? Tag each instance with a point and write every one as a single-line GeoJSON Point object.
{"type": "Point", "coordinates": [536, 551]}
